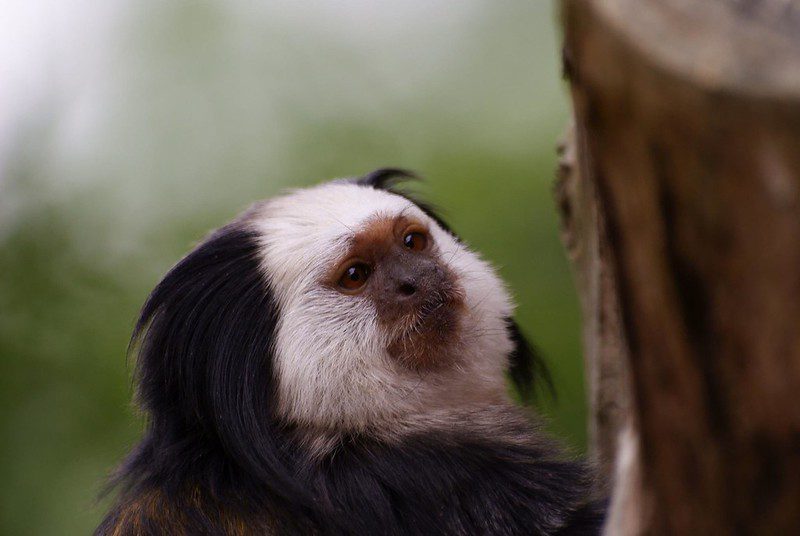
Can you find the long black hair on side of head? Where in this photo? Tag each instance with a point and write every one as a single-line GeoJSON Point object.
{"type": "Point", "coordinates": [204, 378]}
{"type": "Point", "coordinates": [527, 369]}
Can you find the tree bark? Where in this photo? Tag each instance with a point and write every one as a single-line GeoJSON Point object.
{"type": "Point", "coordinates": [682, 219]}
{"type": "Point", "coordinates": [605, 352]}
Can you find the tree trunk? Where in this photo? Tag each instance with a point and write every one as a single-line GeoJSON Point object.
{"type": "Point", "coordinates": [682, 219]}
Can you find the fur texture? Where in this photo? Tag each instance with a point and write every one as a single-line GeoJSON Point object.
{"type": "Point", "coordinates": [275, 403]}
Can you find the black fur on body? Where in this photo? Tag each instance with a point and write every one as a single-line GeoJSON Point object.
{"type": "Point", "coordinates": [216, 460]}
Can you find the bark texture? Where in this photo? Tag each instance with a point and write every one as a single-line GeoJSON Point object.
{"type": "Point", "coordinates": [605, 352]}
{"type": "Point", "coordinates": [686, 225]}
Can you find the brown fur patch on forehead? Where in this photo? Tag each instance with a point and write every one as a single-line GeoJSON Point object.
{"type": "Point", "coordinates": [379, 235]}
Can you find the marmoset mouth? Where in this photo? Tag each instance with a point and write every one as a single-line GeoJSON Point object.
{"type": "Point", "coordinates": [432, 313]}
{"type": "Point", "coordinates": [428, 341]}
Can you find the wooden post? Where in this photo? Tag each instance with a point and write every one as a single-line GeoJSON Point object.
{"type": "Point", "coordinates": [680, 190]}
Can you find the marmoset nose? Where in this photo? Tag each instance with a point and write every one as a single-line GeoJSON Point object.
{"type": "Point", "coordinates": [407, 288]}
{"type": "Point", "coordinates": [409, 279]}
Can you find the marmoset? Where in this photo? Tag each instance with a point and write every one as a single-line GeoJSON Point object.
{"type": "Point", "coordinates": [335, 361]}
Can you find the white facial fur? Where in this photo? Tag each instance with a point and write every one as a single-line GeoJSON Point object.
{"type": "Point", "coordinates": [333, 370]}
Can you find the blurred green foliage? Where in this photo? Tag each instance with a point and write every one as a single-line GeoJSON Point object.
{"type": "Point", "coordinates": [182, 115]}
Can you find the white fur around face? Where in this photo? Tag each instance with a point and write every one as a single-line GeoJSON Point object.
{"type": "Point", "coordinates": [333, 370]}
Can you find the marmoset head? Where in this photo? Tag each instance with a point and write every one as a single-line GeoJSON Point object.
{"type": "Point", "coordinates": [343, 307]}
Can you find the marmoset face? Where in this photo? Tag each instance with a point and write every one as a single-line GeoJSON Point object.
{"type": "Point", "coordinates": [383, 313]}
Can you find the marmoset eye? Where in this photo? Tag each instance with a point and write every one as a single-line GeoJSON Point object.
{"type": "Point", "coordinates": [415, 241]}
{"type": "Point", "coordinates": [355, 276]}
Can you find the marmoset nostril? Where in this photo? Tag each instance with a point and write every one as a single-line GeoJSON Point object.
{"type": "Point", "coordinates": [406, 289]}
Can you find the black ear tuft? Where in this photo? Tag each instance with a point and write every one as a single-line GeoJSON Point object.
{"type": "Point", "coordinates": [386, 178]}
{"type": "Point", "coordinates": [527, 369]}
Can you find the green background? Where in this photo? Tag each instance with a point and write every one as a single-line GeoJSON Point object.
{"type": "Point", "coordinates": [134, 129]}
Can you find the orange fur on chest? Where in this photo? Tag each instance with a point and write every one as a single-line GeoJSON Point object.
{"type": "Point", "coordinates": [149, 511]}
